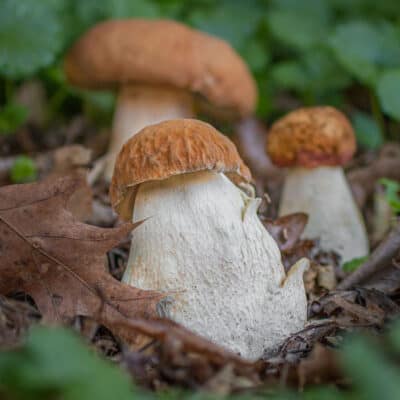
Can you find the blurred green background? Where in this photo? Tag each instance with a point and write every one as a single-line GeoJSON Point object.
{"type": "Point", "coordinates": [338, 52]}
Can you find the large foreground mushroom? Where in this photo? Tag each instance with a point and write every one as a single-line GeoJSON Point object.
{"type": "Point", "coordinates": [315, 142]}
{"type": "Point", "coordinates": [201, 239]}
{"type": "Point", "coordinates": [158, 67]}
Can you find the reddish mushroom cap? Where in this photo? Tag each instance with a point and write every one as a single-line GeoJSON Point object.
{"type": "Point", "coordinates": [162, 52]}
{"type": "Point", "coordinates": [171, 148]}
{"type": "Point", "coordinates": [311, 137]}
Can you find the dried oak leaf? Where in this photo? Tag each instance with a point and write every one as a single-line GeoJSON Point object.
{"type": "Point", "coordinates": [59, 261]}
{"type": "Point", "coordinates": [286, 230]}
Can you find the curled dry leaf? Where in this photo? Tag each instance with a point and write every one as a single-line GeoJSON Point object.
{"type": "Point", "coordinates": [59, 261]}
{"type": "Point", "coordinates": [287, 230]}
{"type": "Point", "coordinates": [358, 307]}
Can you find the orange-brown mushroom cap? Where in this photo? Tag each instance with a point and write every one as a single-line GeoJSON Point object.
{"type": "Point", "coordinates": [311, 137]}
{"type": "Point", "coordinates": [171, 148]}
{"type": "Point", "coordinates": [162, 52]}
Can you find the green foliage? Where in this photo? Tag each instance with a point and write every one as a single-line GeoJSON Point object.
{"type": "Point", "coordinates": [352, 265]}
{"type": "Point", "coordinates": [392, 193]}
{"type": "Point", "coordinates": [54, 363]}
{"type": "Point", "coordinates": [30, 36]}
{"type": "Point", "coordinates": [389, 92]}
{"type": "Point", "coordinates": [312, 50]}
{"type": "Point", "coordinates": [300, 25]}
{"type": "Point", "coordinates": [23, 170]}
{"type": "Point", "coordinates": [368, 132]}
{"type": "Point", "coordinates": [364, 48]}
{"type": "Point", "coordinates": [12, 116]}
{"type": "Point", "coordinates": [373, 374]}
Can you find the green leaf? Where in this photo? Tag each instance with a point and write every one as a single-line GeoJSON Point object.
{"type": "Point", "coordinates": [229, 20]}
{"type": "Point", "coordinates": [315, 74]}
{"type": "Point", "coordinates": [12, 116]}
{"type": "Point", "coordinates": [290, 75]}
{"type": "Point", "coordinates": [373, 375]}
{"type": "Point", "coordinates": [78, 16]}
{"type": "Point", "coordinates": [394, 336]}
{"type": "Point", "coordinates": [362, 48]}
{"type": "Point", "coordinates": [54, 363]}
{"type": "Point", "coordinates": [323, 393]}
{"type": "Point", "coordinates": [388, 89]}
{"type": "Point", "coordinates": [99, 106]}
{"type": "Point", "coordinates": [23, 170]}
{"type": "Point", "coordinates": [300, 26]}
{"type": "Point", "coordinates": [352, 265]}
{"type": "Point", "coordinates": [392, 193]}
{"type": "Point", "coordinates": [256, 55]}
{"type": "Point", "coordinates": [129, 8]}
{"type": "Point", "coordinates": [30, 37]}
{"type": "Point", "coordinates": [368, 133]}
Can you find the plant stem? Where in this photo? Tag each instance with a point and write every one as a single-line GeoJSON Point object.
{"type": "Point", "coordinates": [8, 91]}
{"type": "Point", "coordinates": [377, 112]}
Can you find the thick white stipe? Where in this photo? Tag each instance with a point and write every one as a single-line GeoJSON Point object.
{"type": "Point", "coordinates": [202, 241]}
{"type": "Point", "coordinates": [324, 194]}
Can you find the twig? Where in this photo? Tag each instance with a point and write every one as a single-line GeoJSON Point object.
{"type": "Point", "coordinates": [363, 180]}
{"type": "Point", "coordinates": [378, 260]}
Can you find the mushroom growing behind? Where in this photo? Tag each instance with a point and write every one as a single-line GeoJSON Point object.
{"type": "Point", "coordinates": [160, 68]}
{"type": "Point", "coordinates": [314, 143]}
{"type": "Point", "coordinates": [201, 239]}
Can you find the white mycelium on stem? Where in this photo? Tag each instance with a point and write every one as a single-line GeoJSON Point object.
{"type": "Point", "coordinates": [203, 242]}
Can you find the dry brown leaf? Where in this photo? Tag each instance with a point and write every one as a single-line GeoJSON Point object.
{"type": "Point", "coordinates": [321, 366]}
{"type": "Point", "coordinates": [48, 254]}
{"type": "Point", "coordinates": [358, 307]}
{"type": "Point", "coordinates": [287, 230]}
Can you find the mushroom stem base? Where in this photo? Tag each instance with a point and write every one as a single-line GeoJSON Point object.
{"type": "Point", "coordinates": [203, 244]}
{"type": "Point", "coordinates": [141, 105]}
{"type": "Point", "coordinates": [324, 194]}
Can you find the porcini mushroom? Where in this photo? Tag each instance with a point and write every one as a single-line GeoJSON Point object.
{"type": "Point", "coordinates": [315, 143]}
{"type": "Point", "coordinates": [201, 238]}
{"type": "Point", "coordinates": [158, 67]}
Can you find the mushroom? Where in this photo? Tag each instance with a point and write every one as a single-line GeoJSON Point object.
{"type": "Point", "coordinates": [161, 68]}
{"type": "Point", "coordinates": [315, 143]}
{"type": "Point", "coordinates": [201, 239]}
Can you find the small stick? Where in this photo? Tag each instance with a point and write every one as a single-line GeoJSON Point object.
{"type": "Point", "coordinates": [378, 260]}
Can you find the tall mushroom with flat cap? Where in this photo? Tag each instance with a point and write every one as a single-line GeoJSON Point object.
{"type": "Point", "coordinates": [158, 68]}
{"type": "Point", "coordinates": [201, 239]}
{"type": "Point", "coordinates": [315, 143]}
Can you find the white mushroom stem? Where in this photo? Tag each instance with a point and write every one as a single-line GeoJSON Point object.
{"type": "Point", "coordinates": [324, 194]}
{"type": "Point", "coordinates": [203, 243]}
{"type": "Point", "coordinates": [139, 106]}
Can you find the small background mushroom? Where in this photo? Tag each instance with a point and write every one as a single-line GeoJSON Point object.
{"type": "Point", "coordinates": [315, 143]}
